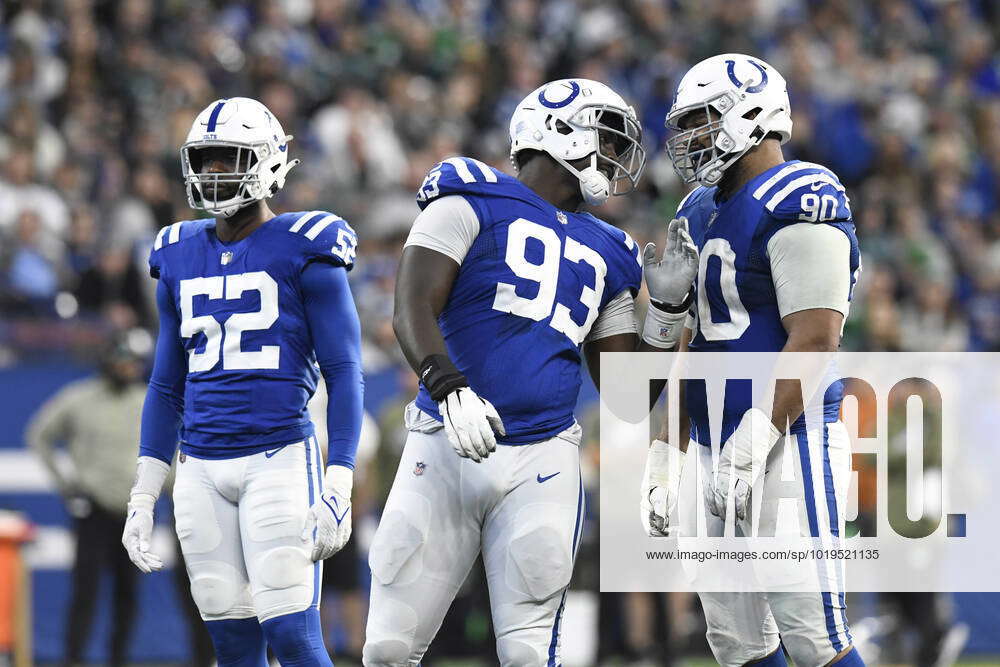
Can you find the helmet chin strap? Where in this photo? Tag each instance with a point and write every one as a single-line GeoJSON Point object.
{"type": "Point", "coordinates": [594, 185]}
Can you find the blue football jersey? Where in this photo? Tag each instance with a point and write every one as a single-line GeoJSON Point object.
{"type": "Point", "coordinates": [251, 363]}
{"type": "Point", "coordinates": [735, 307]}
{"type": "Point", "coordinates": [526, 296]}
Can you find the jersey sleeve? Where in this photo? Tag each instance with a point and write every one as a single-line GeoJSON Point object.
{"type": "Point", "coordinates": [459, 176]}
{"type": "Point", "coordinates": [325, 237]}
{"type": "Point", "coordinates": [167, 236]}
{"type": "Point", "coordinates": [810, 267]}
{"type": "Point", "coordinates": [804, 192]}
{"type": "Point", "coordinates": [166, 239]}
{"type": "Point", "coordinates": [161, 412]}
{"type": "Point", "coordinates": [448, 225]}
{"type": "Point", "coordinates": [624, 260]}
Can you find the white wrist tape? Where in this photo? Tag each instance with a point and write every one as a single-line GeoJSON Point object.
{"type": "Point", "coordinates": [662, 329]}
{"type": "Point", "coordinates": [340, 480]}
{"type": "Point", "coordinates": [150, 474]}
{"type": "Point", "coordinates": [665, 462]}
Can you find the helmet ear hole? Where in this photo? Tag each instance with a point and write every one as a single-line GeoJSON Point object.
{"type": "Point", "coordinates": [563, 128]}
{"type": "Point", "coordinates": [753, 113]}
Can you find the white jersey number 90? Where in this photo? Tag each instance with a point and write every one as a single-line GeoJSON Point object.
{"type": "Point", "coordinates": [228, 346]}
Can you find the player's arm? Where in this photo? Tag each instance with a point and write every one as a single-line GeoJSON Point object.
{"type": "Point", "coordinates": [161, 418]}
{"type": "Point", "coordinates": [661, 478]}
{"type": "Point", "coordinates": [335, 330]}
{"type": "Point", "coordinates": [669, 280]}
{"type": "Point", "coordinates": [810, 268]}
{"type": "Point", "coordinates": [438, 243]}
{"type": "Point", "coordinates": [614, 330]}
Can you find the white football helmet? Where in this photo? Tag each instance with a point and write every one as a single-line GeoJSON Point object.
{"type": "Point", "coordinates": [743, 100]}
{"type": "Point", "coordinates": [567, 119]}
{"type": "Point", "coordinates": [259, 155]}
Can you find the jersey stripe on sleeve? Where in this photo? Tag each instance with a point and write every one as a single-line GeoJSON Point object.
{"type": "Point", "coordinates": [802, 181]}
{"type": "Point", "coordinates": [322, 224]}
{"type": "Point", "coordinates": [303, 219]}
{"type": "Point", "coordinates": [782, 173]}
{"type": "Point", "coordinates": [462, 170]}
{"type": "Point", "coordinates": [171, 233]}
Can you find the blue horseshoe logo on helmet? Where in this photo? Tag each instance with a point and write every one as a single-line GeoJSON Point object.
{"type": "Point", "coordinates": [757, 87]}
{"type": "Point", "coordinates": [575, 90]}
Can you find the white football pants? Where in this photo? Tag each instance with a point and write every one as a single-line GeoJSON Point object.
{"type": "Point", "coordinates": [522, 508]}
{"type": "Point", "coordinates": [743, 627]}
{"type": "Point", "coordinates": [240, 522]}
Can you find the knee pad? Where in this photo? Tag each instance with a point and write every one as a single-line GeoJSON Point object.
{"type": "Point", "coordinates": [297, 639]}
{"type": "Point", "coordinates": [285, 580]}
{"type": "Point", "coordinates": [394, 557]}
{"type": "Point", "coordinates": [513, 652]}
{"type": "Point", "coordinates": [540, 563]}
{"type": "Point", "coordinates": [805, 623]}
{"type": "Point", "coordinates": [217, 588]}
{"type": "Point", "coordinates": [386, 652]}
{"type": "Point", "coordinates": [807, 647]}
{"type": "Point", "coordinates": [238, 642]}
{"type": "Point", "coordinates": [389, 636]}
{"type": "Point", "coordinates": [741, 628]}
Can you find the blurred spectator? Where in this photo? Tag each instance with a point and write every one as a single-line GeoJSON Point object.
{"type": "Point", "coordinates": [97, 418]}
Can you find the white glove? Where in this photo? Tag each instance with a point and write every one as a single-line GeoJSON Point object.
{"type": "Point", "coordinates": [669, 279]}
{"type": "Point", "coordinates": [330, 516]}
{"type": "Point", "coordinates": [745, 454]}
{"type": "Point", "coordinates": [471, 423]}
{"type": "Point", "coordinates": [660, 487]}
{"type": "Point", "coordinates": [149, 477]}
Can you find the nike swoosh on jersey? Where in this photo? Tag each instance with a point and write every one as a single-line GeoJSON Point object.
{"type": "Point", "coordinates": [542, 480]}
{"type": "Point", "coordinates": [271, 453]}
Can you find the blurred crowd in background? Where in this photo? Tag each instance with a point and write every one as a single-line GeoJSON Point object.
{"type": "Point", "coordinates": [900, 98]}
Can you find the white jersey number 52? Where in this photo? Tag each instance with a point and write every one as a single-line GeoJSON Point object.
{"type": "Point", "coordinates": [228, 346]}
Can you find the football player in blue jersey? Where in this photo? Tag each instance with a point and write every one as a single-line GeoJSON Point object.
{"type": "Point", "coordinates": [500, 284]}
{"type": "Point", "coordinates": [779, 259]}
{"type": "Point", "coordinates": [253, 308]}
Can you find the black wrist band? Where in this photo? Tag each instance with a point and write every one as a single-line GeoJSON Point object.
{"type": "Point", "coordinates": [440, 376]}
{"type": "Point", "coordinates": [668, 308]}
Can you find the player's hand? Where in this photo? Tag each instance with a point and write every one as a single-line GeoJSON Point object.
{"type": "Point", "coordinates": [743, 457]}
{"type": "Point", "coordinates": [139, 532]}
{"type": "Point", "coordinates": [330, 516]}
{"type": "Point", "coordinates": [669, 280]}
{"type": "Point", "coordinates": [471, 423]}
{"type": "Point", "coordinates": [660, 487]}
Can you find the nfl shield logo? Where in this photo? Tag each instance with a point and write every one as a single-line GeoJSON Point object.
{"type": "Point", "coordinates": [226, 257]}
{"type": "Point", "coordinates": [561, 217]}
{"type": "Point", "coordinates": [418, 469]}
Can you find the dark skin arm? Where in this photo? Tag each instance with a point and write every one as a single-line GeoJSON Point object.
{"type": "Point", "coordinates": [813, 330]}
{"type": "Point", "coordinates": [423, 283]}
{"type": "Point", "coordinates": [619, 343]}
{"type": "Point", "coordinates": [684, 419]}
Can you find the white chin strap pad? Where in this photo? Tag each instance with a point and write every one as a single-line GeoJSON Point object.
{"type": "Point", "coordinates": [595, 186]}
